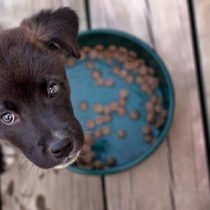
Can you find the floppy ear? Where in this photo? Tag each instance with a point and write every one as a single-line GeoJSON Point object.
{"type": "Point", "coordinates": [57, 29]}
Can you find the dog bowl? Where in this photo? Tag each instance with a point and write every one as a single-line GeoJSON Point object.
{"type": "Point", "coordinates": [83, 88]}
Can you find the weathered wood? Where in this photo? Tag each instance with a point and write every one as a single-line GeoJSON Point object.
{"type": "Point", "coordinates": [22, 186]}
{"type": "Point", "coordinates": [180, 169]}
{"type": "Point", "coordinates": [137, 188]}
{"type": "Point", "coordinates": [13, 11]}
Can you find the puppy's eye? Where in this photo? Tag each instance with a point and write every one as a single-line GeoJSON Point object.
{"type": "Point", "coordinates": [53, 90]}
{"type": "Point", "coordinates": [8, 118]}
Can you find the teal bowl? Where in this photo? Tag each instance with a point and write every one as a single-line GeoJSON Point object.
{"type": "Point", "coordinates": [83, 88]}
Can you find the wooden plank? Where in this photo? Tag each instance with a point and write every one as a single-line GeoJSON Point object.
{"type": "Point", "coordinates": [202, 17]}
{"type": "Point", "coordinates": [13, 11]}
{"type": "Point", "coordinates": [22, 187]}
{"type": "Point", "coordinates": [185, 177]}
{"type": "Point", "coordinates": [25, 185]}
{"type": "Point", "coordinates": [137, 188]}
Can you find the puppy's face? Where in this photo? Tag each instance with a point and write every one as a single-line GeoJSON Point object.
{"type": "Point", "coordinates": [36, 113]}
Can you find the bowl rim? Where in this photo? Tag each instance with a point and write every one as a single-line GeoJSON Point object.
{"type": "Point", "coordinates": [167, 126]}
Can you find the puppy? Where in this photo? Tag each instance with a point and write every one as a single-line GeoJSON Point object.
{"type": "Point", "coordinates": [36, 113]}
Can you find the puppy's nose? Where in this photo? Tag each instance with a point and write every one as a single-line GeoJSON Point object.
{"type": "Point", "coordinates": [61, 148]}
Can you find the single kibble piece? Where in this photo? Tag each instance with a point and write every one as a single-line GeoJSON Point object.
{"type": "Point", "coordinates": [107, 118]}
{"type": "Point", "coordinates": [135, 115]}
{"type": "Point", "coordinates": [122, 134]}
{"type": "Point", "coordinates": [151, 71]}
{"type": "Point", "coordinates": [111, 161]}
{"type": "Point", "coordinates": [92, 54]}
{"type": "Point", "coordinates": [89, 157]}
{"type": "Point", "coordinates": [143, 70]}
{"type": "Point", "coordinates": [89, 139]}
{"type": "Point", "coordinates": [150, 106]}
{"type": "Point", "coordinates": [151, 117]}
{"type": "Point", "coordinates": [99, 82]}
{"type": "Point", "coordinates": [132, 54]}
{"type": "Point", "coordinates": [114, 106]}
{"type": "Point", "coordinates": [106, 130]}
{"type": "Point", "coordinates": [112, 48]}
{"type": "Point", "coordinates": [154, 99]}
{"type": "Point", "coordinates": [160, 123]}
{"type": "Point", "coordinates": [99, 47]}
{"type": "Point", "coordinates": [116, 70]}
{"type": "Point", "coordinates": [86, 148]}
{"type": "Point", "coordinates": [124, 93]}
{"type": "Point", "coordinates": [99, 120]}
{"type": "Point", "coordinates": [98, 164]}
{"type": "Point", "coordinates": [98, 134]}
{"type": "Point", "coordinates": [98, 108]}
{"type": "Point", "coordinates": [121, 110]}
{"type": "Point", "coordinates": [106, 109]}
{"type": "Point", "coordinates": [90, 124]}
{"type": "Point", "coordinates": [139, 80]}
{"type": "Point", "coordinates": [109, 82]}
{"type": "Point", "coordinates": [86, 49]}
{"type": "Point", "coordinates": [148, 138]}
{"type": "Point", "coordinates": [122, 102]}
{"type": "Point", "coordinates": [129, 79]}
{"type": "Point", "coordinates": [153, 141]}
{"type": "Point", "coordinates": [83, 106]}
{"type": "Point", "coordinates": [146, 130]}
{"type": "Point", "coordinates": [96, 74]}
{"type": "Point", "coordinates": [89, 64]}
{"type": "Point", "coordinates": [123, 74]}
{"type": "Point", "coordinates": [158, 108]}
{"type": "Point", "coordinates": [71, 62]}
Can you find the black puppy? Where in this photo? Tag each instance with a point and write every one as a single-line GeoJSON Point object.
{"type": "Point", "coordinates": [36, 113]}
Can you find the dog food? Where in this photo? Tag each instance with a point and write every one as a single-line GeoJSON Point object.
{"type": "Point", "coordinates": [89, 64]}
{"type": "Point", "coordinates": [90, 124]}
{"type": "Point", "coordinates": [111, 161]}
{"type": "Point", "coordinates": [122, 134]}
{"type": "Point", "coordinates": [106, 130]}
{"type": "Point", "coordinates": [135, 115]}
{"type": "Point", "coordinates": [83, 106]}
{"type": "Point", "coordinates": [71, 62]}
{"type": "Point", "coordinates": [133, 70]}
{"type": "Point", "coordinates": [109, 82]}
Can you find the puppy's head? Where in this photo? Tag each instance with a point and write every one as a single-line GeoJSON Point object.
{"type": "Point", "coordinates": [36, 113]}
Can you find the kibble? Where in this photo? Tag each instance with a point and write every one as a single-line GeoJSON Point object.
{"type": "Point", "coordinates": [106, 130]}
{"type": "Point", "coordinates": [129, 79]}
{"type": "Point", "coordinates": [151, 117]}
{"type": "Point", "coordinates": [146, 130]}
{"type": "Point", "coordinates": [99, 120]}
{"type": "Point", "coordinates": [99, 82]}
{"type": "Point", "coordinates": [89, 64]}
{"type": "Point", "coordinates": [98, 164]}
{"type": "Point", "coordinates": [107, 118]}
{"type": "Point", "coordinates": [83, 106]}
{"type": "Point", "coordinates": [90, 124]}
{"type": "Point", "coordinates": [121, 111]}
{"type": "Point", "coordinates": [89, 139]}
{"type": "Point", "coordinates": [160, 123]}
{"type": "Point", "coordinates": [111, 161]}
{"type": "Point", "coordinates": [124, 93]}
{"type": "Point", "coordinates": [109, 82]}
{"type": "Point", "coordinates": [96, 74]}
{"type": "Point", "coordinates": [98, 108]}
{"type": "Point", "coordinates": [122, 134]}
{"type": "Point", "coordinates": [135, 115]}
{"type": "Point", "coordinates": [71, 62]}
{"type": "Point", "coordinates": [98, 134]}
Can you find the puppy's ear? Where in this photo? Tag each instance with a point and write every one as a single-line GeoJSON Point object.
{"type": "Point", "coordinates": [57, 29]}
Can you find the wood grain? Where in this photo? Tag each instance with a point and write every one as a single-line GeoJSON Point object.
{"type": "Point", "coordinates": [13, 11]}
{"type": "Point", "coordinates": [60, 189]}
{"type": "Point", "coordinates": [176, 176]}
{"type": "Point", "coordinates": [24, 185]}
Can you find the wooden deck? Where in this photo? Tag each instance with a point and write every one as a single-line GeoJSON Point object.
{"type": "Point", "coordinates": [176, 176]}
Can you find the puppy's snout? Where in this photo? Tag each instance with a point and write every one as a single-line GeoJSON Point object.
{"type": "Point", "coordinates": [61, 148]}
